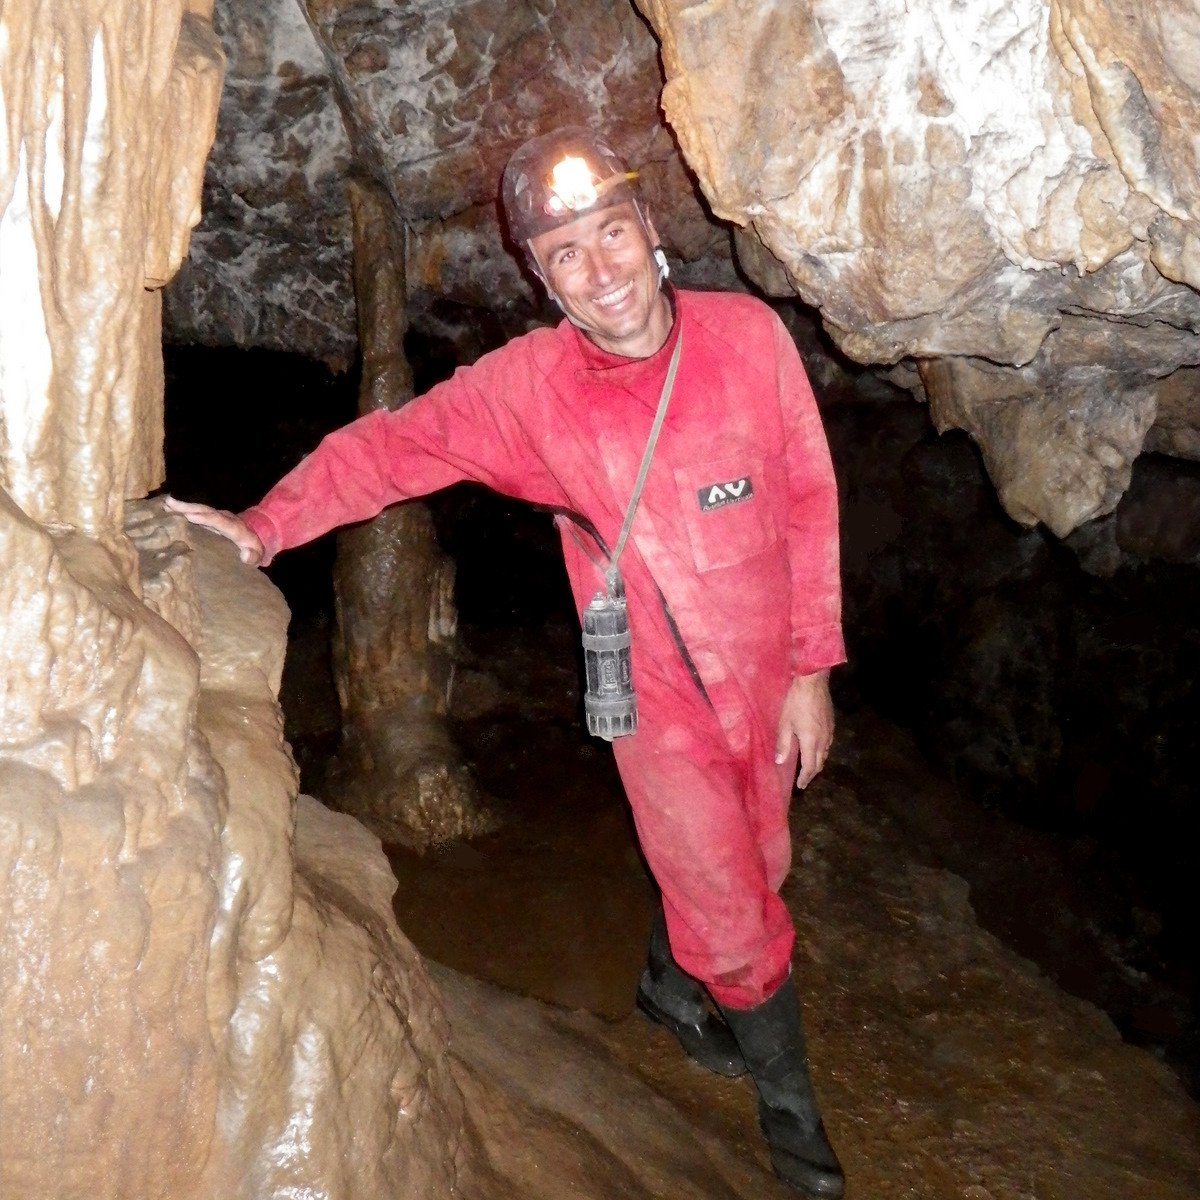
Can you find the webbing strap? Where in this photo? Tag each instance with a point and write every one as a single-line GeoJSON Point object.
{"type": "Point", "coordinates": [612, 576]}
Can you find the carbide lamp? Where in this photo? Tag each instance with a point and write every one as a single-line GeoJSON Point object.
{"type": "Point", "coordinates": [610, 703]}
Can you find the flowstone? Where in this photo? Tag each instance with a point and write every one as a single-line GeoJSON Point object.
{"type": "Point", "coordinates": [200, 994]}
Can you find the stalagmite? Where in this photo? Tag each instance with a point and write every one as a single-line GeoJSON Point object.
{"type": "Point", "coordinates": [394, 591]}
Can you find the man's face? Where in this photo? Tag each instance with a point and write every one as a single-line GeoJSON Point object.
{"type": "Point", "coordinates": [602, 269]}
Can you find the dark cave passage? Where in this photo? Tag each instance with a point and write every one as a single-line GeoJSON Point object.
{"type": "Point", "coordinates": [1030, 726]}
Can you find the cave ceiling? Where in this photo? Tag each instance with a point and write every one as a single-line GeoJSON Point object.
{"type": "Point", "coordinates": [1002, 197]}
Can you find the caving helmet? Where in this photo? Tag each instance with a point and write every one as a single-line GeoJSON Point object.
{"type": "Point", "coordinates": [561, 176]}
{"type": "Point", "coordinates": [553, 179]}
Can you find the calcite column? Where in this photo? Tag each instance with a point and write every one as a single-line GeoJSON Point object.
{"type": "Point", "coordinates": [202, 993]}
{"type": "Point", "coordinates": [110, 109]}
{"type": "Point", "coordinates": [394, 590]}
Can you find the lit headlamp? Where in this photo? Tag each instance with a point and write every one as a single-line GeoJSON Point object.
{"type": "Point", "coordinates": [572, 186]}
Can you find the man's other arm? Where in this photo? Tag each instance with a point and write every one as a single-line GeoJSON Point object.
{"type": "Point", "coordinates": [813, 556]}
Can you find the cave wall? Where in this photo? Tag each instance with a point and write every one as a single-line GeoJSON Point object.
{"type": "Point", "coordinates": [1004, 192]}
{"type": "Point", "coordinates": [270, 263]}
{"type": "Point", "coordinates": [998, 198]}
{"type": "Point", "coordinates": [202, 988]}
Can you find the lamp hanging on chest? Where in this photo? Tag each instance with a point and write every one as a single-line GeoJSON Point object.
{"type": "Point", "coordinates": [610, 702]}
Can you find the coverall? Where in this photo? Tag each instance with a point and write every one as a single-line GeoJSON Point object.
{"type": "Point", "coordinates": [731, 575]}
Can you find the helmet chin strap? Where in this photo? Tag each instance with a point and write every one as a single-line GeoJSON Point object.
{"type": "Point", "coordinates": [660, 260]}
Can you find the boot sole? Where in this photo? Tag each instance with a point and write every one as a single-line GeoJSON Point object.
{"type": "Point", "coordinates": [723, 1066]}
{"type": "Point", "coordinates": [813, 1181]}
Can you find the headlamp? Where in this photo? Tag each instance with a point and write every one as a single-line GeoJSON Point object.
{"type": "Point", "coordinates": [556, 178]}
{"type": "Point", "coordinates": [571, 185]}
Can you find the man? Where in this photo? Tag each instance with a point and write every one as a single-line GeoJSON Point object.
{"type": "Point", "coordinates": [730, 574]}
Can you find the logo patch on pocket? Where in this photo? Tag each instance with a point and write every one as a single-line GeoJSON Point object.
{"type": "Point", "coordinates": [717, 495]}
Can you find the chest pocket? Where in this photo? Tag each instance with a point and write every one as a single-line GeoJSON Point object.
{"type": "Point", "coordinates": [726, 511]}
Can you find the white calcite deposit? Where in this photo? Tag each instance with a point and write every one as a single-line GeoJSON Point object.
{"type": "Point", "coordinates": [1013, 184]}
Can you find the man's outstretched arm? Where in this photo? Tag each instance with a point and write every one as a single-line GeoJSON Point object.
{"type": "Point", "coordinates": [458, 430]}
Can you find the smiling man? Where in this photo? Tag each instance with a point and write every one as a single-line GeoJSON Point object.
{"type": "Point", "coordinates": [730, 581]}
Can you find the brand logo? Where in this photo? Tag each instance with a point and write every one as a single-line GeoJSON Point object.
{"type": "Point", "coordinates": [717, 495]}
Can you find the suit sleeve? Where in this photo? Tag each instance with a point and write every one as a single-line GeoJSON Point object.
{"type": "Point", "coordinates": [812, 531]}
{"type": "Point", "coordinates": [462, 429]}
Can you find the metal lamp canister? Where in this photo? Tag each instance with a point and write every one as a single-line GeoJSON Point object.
{"type": "Point", "coordinates": [610, 703]}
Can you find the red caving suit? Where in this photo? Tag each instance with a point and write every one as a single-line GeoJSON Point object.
{"type": "Point", "coordinates": [735, 541]}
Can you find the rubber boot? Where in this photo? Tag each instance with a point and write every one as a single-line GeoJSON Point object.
{"type": "Point", "coordinates": [772, 1042]}
{"type": "Point", "coordinates": [671, 997]}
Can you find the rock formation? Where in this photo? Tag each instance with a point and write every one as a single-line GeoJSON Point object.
{"type": "Point", "coordinates": [270, 264]}
{"type": "Point", "coordinates": [202, 988]}
{"type": "Point", "coordinates": [435, 98]}
{"type": "Point", "coordinates": [394, 594]}
{"type": "Point", "coordinates": [1006, 192]}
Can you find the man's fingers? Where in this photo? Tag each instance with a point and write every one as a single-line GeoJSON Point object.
{"type": "Point", "coordinates": [186, 508]}
{"type": "Point", "coordinates": [813, 753]}
{"type": "Point", "coordinates": [783, 743]}
{"type": "Point", "coordinates": [229, 525]}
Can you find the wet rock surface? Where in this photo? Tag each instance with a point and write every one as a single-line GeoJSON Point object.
{"type": "Point", "coordinates": [988, 182]}
{"type": "Point", "coordinates": [947, 1066]}
{"type": "Point", "coordinates": [190, 971]}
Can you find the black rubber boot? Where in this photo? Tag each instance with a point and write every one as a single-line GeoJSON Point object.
{"type": "Point", "coordinates": [772, 1042]}
{"type": "Point", "coordinates": [671, 997]}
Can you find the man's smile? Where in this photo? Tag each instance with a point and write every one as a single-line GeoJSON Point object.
{"type": "Point", "coordinates": [613, 298]}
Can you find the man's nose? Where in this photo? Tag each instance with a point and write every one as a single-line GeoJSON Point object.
{"type": "Point", "coordinates": [600, 270]}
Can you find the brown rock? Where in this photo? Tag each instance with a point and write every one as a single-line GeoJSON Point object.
{"type": "Point", "coordinates": [394, 598]}
{"type": "Point", "coordinates": [947, 181]}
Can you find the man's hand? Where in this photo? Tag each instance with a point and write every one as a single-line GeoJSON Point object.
{"type": "Point", "coordinates": [225, 523]}
{"type": "Point", "coordinates": [808, 717]}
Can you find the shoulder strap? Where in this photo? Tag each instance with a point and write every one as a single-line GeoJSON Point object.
{"type": "Point", "coordinates": [612, 576]}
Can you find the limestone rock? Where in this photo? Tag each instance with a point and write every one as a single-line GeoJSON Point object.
{"type": "Point", "coordinates": [1058, 449]}
{"type": "Point", "coordinates": [944, 180]}
{"type": "Point", "coordinates": [1176, 428]}
{"type": "Point", "coordinates": [116, 111]}
{"type": "Point", "coordinates": [190, 1005]}
{"type": "Point", "coordinates": [270, 262]}
{"type": "Point", "coordinates": [436, 97]}
{"type": "Point", "coordinates": [183, 998]}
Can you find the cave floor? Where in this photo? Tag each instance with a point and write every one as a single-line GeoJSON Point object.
{"type": "Point", "coordinates": [556, 903]}
{"type": "Point", "coordinates": [948, 1064]}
